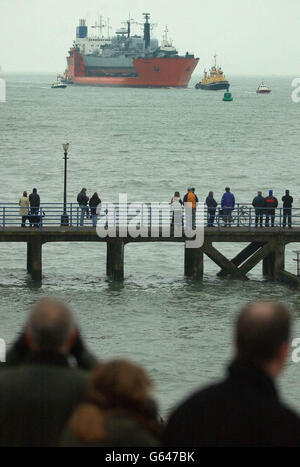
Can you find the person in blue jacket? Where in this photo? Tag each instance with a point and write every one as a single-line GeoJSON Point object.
{"type": "Point", "coordinates": [227, 204]}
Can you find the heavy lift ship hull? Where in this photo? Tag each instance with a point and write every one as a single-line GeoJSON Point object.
{"type": "Point", "coordinates": [151, 72]}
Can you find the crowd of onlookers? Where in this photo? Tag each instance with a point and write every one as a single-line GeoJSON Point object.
{"type": "Point", "coordinates": [263, 206]}
{"type": "Point", "coordinates": [30, 207]}
{"type": "Point", "coordinates": [55, 392]}
{"type": "Point", "coordinates": [90, 207]}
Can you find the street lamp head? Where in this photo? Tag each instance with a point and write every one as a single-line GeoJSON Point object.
{"type": "Point", "coordinates": [66, 146]}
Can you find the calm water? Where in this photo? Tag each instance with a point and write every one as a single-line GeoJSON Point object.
{"type": "Point", "coordinates": [147, 143]}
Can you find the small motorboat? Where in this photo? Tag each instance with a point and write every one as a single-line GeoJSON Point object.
{"type": "Point", "coordinates": [58, 85]}
{"type": "Point", "coordinates": [263, 89]}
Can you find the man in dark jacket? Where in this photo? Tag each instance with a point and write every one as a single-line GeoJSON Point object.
{"type": "Point", "coordinates": [271, 204]}
{"type": "Point", "coordinates": [38, 387]}
{"type": "Point", "coordinates": [34, 200]}
{"type": "Point", "coordinates": [227, 204]}
{"type": "Point", "coordinates": [83, 200]}
{"type": "Point", "coordinates": [211, 204]}
{"type": "Point", "coordinates": [258, 203]}
{"type": "Point", "coordinates": [287, 208]}
{"type": "Point", "coordinates": [244, 409]}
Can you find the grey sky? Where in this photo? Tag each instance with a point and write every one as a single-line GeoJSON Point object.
{"type": "Point", "coordinates": [249, 36]}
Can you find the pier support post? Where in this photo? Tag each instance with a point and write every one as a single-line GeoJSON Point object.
{"type": "Point", "coordinates": [115, 259]}
{"type": "Point", "coordinates": [193, 262]}
{"type": "Point", "coordinates": [34, 259]}
{"type": "Point", "coordinates": [29, 258]}
{"type": "Point", "coordinates": [273, 263]}
{"type": "Point", "coordinates": [267, 262]}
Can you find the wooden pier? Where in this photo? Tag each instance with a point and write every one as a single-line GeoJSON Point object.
{"type": "Point", "coordinates": [265, 245]}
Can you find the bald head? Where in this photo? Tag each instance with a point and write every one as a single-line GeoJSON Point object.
{"type": "Point", "coordinates": [50, 325]}
{"type": "Point", "coordinates": [261, 329]}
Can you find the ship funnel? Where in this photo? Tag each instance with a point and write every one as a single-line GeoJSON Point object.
{"type": "Point", "coordinates": [147, 30]}
{"type": "Point", "coordinates": [81, 30]}
{"type": "Point", "coordinates": [128, 28]}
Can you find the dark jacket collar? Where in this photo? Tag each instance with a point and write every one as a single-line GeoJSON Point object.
{"type": "Point", "coordinates": [253, 375]}
{"type": "Point", "coordinates": [47, 358]}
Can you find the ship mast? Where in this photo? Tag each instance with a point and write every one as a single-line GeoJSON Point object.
{"type": "Point", "coordinates": [166, 41]}
{"type": "Point", "coordinates": [147, 30]}
{"type": "Point", "coordinates": [165, 36]}
{"type": "Point", "coordinates": [129, 22]}
{"type": "Point", "coordinates": [100, 26]}
{"type": "Point", "coordinates": [108, 27]}
{"type": "Point", "coordinates": [215, 57]}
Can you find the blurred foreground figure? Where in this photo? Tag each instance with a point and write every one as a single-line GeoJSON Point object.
{"type": "Point", "coordinates": [118, 410]}
{"type": "Point", "coordinates": [38, 387]}
{"type": "Point", "coordinates": [244, 409]}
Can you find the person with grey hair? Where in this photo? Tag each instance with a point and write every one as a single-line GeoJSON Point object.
{"type": "Point", "coordinates": [244, 409]}
{"type": "Point", "coordinates": [39, 387]}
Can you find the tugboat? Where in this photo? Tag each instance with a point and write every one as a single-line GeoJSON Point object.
{"type": "Point", "coordinates": [58, 85]}
{"type": "Point", "coordinates": [263, 89]}
{"type": "Point", "coordinates": [215, 80]}
{"type": "Point", "coordinates": [65, 78]}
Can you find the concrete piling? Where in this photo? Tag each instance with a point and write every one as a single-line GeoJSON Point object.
{"type": "Point", "coordinates": [115, 259]}
{"type": "Point", "coordinates": [193, 262]}
{"type": "Point", "coordinates": [34, 259]}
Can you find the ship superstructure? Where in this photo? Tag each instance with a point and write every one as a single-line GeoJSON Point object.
{"type": "Point", "coordinates": [214, 80]}
{"type": "Point", "coordinates": [126, 59]}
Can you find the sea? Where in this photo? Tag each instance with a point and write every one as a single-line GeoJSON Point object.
{"type": "Point", "coordinates": [148, 143]}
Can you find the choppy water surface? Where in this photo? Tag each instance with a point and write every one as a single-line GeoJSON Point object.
{"type": "Point", "coordinates": [147, 143]}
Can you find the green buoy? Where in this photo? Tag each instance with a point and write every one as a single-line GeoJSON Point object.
{"type": "Point", "coordinates": [227, 96]}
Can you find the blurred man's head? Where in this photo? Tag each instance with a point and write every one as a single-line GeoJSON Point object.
{"type": "Point", "coordinates": [259, 193]}
{"type": "Point", "coordinates": [287, 192]}
{"type": "Point", "coordinates": [263, 335]}
{"type": "Point", "coordinates": [51, 327]}
{"type": "Point", "coordinates": [227, 189]}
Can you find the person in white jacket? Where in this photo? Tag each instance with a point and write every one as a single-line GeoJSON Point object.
{"type": "Point", "coordinates": [176, 206]}
{"type": "Point", "coordinates": [24, 207]}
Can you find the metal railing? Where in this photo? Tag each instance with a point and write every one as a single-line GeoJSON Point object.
{"type": "Point", "coordinates": [150, 214]}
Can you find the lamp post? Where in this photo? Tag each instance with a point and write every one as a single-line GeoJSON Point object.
{"type": "Point", "coordinates": [65, 217]}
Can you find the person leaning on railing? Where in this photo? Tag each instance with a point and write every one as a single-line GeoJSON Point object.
{"type": "Point", "coordinates": [287, 208]}
{"type": "Point", "coordinates": [95, 206]}
{"type": "Point", "coordinates": [191, 198]}
{"type": "Point", "coordinates": [24, 207]}
{"type": "Point", "coordinates": [271, 204]}
{"type": "Point", "coordinates": [227, 204]}
{"type": "Point", "coordinates": [211, 204]}
{"type": "Point", "coordinates": [258, 203]}
{"type": "Point", "coordinates": [34, 200]}
{"type": "Point", "coordinates": [176, 207]}
{"type": "Point", "coordinates": [83, 200]}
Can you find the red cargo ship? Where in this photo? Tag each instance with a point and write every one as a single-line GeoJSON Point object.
{"type": "Point", "coordinates": [127, 60]}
